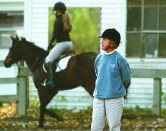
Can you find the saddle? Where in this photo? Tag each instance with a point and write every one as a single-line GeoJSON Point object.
{"type": "Point", "coordinates": [56, 62]}
{"type": "Point", "coordinates": [68, 53]}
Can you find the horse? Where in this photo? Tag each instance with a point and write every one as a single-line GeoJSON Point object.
{"type": "Point", "coordinates": [79, 72]}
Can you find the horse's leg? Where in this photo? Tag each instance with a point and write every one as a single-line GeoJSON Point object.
{"type": "Point", "coordinates": [42, 107]}
{"type": "Point", "coordinates": [45, 97]}
{"type": "Point", "coordinates": [44, 111]}
{"type": "Point", "coordinates": [54, 115]}
{"type": "Point", "coordinates": [41, 119]}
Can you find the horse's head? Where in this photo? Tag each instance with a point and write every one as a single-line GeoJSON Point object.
{"type": "Point", "coordinates": [14, 54]}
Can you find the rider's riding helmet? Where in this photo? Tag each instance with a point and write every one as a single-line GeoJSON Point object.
{"type": "Point", "coordinates": [112, 34]}
{"type": "Point", "coordinates": [59, 6]}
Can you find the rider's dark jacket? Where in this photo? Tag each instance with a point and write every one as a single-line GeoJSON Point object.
{"type": "Point", "coordinates": [59, 33]}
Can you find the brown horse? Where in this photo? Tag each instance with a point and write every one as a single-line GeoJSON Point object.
{"type": "Point", "coordinates": [79, 72]}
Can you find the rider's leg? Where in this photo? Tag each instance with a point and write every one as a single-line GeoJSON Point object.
{"type": "Point", "coordinates": [50, 81]}
{"type": "Point", "coordinates": [58, 49]}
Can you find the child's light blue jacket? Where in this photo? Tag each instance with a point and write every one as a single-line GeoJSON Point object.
{"type": "Point", "coordinates": [113, 75]}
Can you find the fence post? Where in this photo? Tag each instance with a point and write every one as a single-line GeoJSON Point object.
{"type": "Point", "coordinates": [22, 92]}
{"type": "Point", "coordinates": [157, 96]}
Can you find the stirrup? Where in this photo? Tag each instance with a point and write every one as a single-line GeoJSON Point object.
{"type": "Point", "coordinates": [45, 84]}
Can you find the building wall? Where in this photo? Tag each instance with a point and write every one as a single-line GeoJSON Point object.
{"type": "Point", "coordinates": [36, 30]}
{"type": "Point", "coordinates": [113, 15]}
{"type": "Point", "coordinates": [36, 18]}
{"type": "Point", "coordinates": [8, 5]}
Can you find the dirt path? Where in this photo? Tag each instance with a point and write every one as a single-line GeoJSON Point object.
{"type": "Point", "coordinates": [133, 120]}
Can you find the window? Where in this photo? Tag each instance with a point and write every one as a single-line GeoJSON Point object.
{"type": "Point", "coordinates": [5, 38]}
{"type": "Point", "coordinates": [146, 28]}
{"type": "Point", "coordinates": [11, 22]}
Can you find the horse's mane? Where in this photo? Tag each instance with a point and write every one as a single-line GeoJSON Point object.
{"type": "Point", "coordinates": [32, 46]}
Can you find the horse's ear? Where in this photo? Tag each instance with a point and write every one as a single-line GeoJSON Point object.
{"type": "Point", "coordinates": [17, 38]}
{"type": "Point", "coordinates": [23, 39]}
{"type": "Point", "coordinates": [12, 38]}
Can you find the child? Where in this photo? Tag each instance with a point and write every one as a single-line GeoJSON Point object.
{"type": "Point", "coordinates": [113, 78]}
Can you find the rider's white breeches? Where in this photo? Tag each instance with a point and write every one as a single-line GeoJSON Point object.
{"type": "Point", "coordinates": [59, 49]}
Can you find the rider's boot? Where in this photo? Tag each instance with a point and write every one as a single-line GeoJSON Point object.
{"type": "Point", "coordinates": [50, 70]}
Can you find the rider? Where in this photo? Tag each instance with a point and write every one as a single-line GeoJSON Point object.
{"type": "Point", "coordinates": [62, 28]}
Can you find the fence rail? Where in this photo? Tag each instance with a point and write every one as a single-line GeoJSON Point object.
{"type": "Point", "coordinates": [24, 72]}
{"type": "Point", "coordinates": [157, 75]}
{"type": "Point", "coordinates": [21, 97]}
